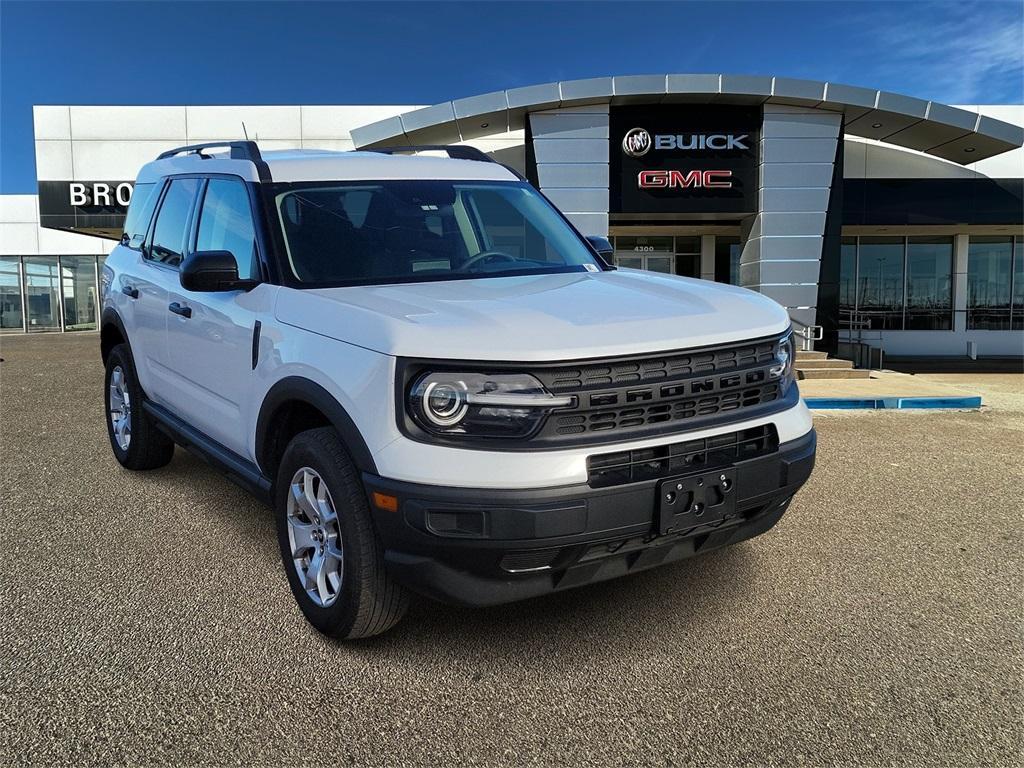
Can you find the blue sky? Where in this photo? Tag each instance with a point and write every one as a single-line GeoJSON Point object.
{"type": "Point", "coordinates": [422, 53]}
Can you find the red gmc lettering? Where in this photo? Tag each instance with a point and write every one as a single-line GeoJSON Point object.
{"type": "Point", "coordinates": [713, 179]}
{"type": "Point", "coordinates": [678, 179]}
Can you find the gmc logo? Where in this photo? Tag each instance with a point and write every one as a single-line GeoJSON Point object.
{"type": "Point", "coordinates": [681, 180]}
{"type": "Point", "coordinates": [682, 389]}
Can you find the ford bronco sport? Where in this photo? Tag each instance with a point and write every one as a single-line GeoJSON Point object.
{"type": "Point", "coordinates": [439, 384]}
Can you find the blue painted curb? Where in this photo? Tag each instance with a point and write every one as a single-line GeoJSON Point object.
{"type": "Point", "coordinates": [891, 403]}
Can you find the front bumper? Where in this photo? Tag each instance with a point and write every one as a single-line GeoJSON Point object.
{"type": "Point", "coordinates": [482, 547]}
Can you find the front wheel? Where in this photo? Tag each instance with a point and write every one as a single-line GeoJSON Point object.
{"type": "Point", "coordinates": [331, 553]}
{"type": "Point", "coordinates": [134, 437]}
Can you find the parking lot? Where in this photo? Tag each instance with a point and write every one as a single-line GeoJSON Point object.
{"type": "Point", "coordinates": [145, 618]}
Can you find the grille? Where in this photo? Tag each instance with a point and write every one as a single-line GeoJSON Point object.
{"type": "Point", "coordinates": [645, 395]}
{"type": "Point", "coordinates": [653, 369]}
{"type": "Point", "coordinates": [624, 467]}
{"type": "Point", "coordinates": [627, 418]}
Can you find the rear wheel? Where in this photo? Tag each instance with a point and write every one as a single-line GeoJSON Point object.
{"type": "Point", "coordinates": [332, 555]}
{"type": "Point", "coordinates": [134, 437]}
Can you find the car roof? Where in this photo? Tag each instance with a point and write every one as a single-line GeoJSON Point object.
{"type": "Point", "coordinates": [326, 165]}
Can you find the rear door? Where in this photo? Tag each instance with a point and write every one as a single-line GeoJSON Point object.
{"type": "Point", "coordinates": [156, 275]}
{"type": "Point", "coordinates": [130, 292]}
{"type": "Point", "coordinates": [211, 346]}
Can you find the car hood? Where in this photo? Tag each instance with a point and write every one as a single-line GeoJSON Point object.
{"type": "Point", "coordinates": [535, 318]}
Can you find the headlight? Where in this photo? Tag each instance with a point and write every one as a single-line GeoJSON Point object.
{"type": "Point", "coordinates": [783, 367]}
{"type": "Point", "coordinates": [481, 404]}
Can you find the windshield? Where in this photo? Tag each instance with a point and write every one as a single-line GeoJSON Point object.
{"type": "Point", "coordinates": [338, 233]}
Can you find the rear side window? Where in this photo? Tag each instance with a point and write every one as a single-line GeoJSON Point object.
{"type": "Point", "coordinates": [140, 213]}
{"type": "Point", "coordinates": [225, 224]}
{"type": "Point", "coordinates": [168, 242]}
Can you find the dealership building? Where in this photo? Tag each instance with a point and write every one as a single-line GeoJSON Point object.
{"type": "Point", "coordinates": [880, 221]}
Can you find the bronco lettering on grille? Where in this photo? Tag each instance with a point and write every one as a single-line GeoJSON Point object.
{"type": "Point", "coordinates": [695, 387]}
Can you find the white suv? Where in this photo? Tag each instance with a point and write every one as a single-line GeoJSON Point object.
{"type": "Point", "coordinates": [440, 385]}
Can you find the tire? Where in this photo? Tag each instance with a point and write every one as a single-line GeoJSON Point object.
{"type": "Point", "coordinates": [348, 596]}
{"type": "Point", "coordinates": [135, 438]}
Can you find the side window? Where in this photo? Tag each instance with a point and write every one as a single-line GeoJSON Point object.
{"type": "Point", "coordinates": [140, 213]}
{"type": "Point", "coordinates": [225, 224]}
{"type": "Point", "coordinates": [168, 243]}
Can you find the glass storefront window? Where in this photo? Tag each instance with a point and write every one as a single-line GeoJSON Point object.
{"type": "Point", "coordinates": [11, 318]}
{"type": "Point", "coordinates": [637, 252]}
{"type": "Point", "coordinates": [645, 244]}
{"type": "Point", "coordinates": [989, 265]}
{"type": "Point", "coordinates": [78, 286]}
{"type": "Point", "coordinates": [688, 256]}
{"type": "Point", "coordinates": [727, 260]}
{"type": "Point", "coordinates": [929, 284]}
{"type": "Point", "coordinates": [688, 244]}
{"type": "Point", "coordinates": [880, 283]}
{"type": "Point", "coordinates": [629, 262]}
{"type": "Point", "coordinates": [659, 263]}
{"type": "Point", "coordinates": [42, 293]}
{"type": "Point", "coordinates": [847, 281]}
{"type": "Point", "coordinates": [1017, 310]}
{"type": "Point", "coordinates": [656, 253]}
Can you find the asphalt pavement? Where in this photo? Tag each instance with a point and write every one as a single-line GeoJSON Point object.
{"type": "Point", "coordinates": [145, 618]}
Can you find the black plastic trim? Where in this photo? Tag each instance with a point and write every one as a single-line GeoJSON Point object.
{"type": "Point", "coordinates": [240, 150]}
{"type": "Point", "coordinates": [256, 343]}
{"type": "Point", "coordinates": [111, 317]}
{"type": "Point", "coordinates": [454, 151]}
{"type": "Point", "coordinates": [590, 534]}
{"type": "Point", "coordinates": [180, 309]}
{"type": "Point", "coordinates": [306, 391]}
{"type": "Point", "coordinates": [239, 470]}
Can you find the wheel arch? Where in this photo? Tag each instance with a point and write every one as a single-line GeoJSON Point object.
{"type": "Point", "coordinates": [112, 332]}
{"type": "Point", "coordinates": [294, 404]}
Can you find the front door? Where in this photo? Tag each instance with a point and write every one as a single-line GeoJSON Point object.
{"type": "Point", "coordinates": [210, 337]}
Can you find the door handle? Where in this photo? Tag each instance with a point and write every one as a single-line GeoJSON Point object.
{"type": "Point", "coordinates": [130, 290]}
{"type": "Point", "coordinates": [180, 309]}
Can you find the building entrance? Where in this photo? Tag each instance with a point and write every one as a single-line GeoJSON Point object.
{"type": "Point", "coordinates": [713, 255]}
{"type": "Point", "coordinates": [674, 255]}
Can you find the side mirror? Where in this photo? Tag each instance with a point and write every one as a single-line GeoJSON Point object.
{"type": "Point", "coordinates": [602, 246]}
{"type": "Point", "coordinates": [207, 271]}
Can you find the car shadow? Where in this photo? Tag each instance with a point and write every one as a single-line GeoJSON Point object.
{"type": "Point", "coordinates": [626, 611]}
{"type": "Point", "coordinates": [652, 601]}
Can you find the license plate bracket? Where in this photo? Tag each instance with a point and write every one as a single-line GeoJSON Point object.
{"type": "Point", "coordinates": [696, 500]}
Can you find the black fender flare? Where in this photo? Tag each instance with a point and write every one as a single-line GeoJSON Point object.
{"type": "Point", "coordinates": [307, 391]}
{"type": "Point", "coordinates": [111, 317]}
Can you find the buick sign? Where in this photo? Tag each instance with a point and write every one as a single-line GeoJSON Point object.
{"type": "Point", "coordinates": [636, 142]}
{"type": "Point", "coordinates": [716, 141]}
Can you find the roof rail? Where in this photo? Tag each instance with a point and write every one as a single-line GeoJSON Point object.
{"type": "Point", "coordinates": [456, 152]}
{"type": "Point", "coordinates": [240, 150]}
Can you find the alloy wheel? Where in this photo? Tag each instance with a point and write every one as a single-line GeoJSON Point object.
{"type": "Point", "coordinates": [120, 408]}
{"type": "Point", "coordinates": [314, 537]}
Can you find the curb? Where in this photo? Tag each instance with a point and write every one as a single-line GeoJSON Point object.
{"type": "Point", "coordinates": [893, 403]}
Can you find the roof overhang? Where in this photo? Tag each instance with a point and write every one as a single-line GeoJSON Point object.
{"type": "Point", "coordinates": [936, 129]}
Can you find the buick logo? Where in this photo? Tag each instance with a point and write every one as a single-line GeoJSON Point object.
{"type": "Point", "coordinates": [637, 142]}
